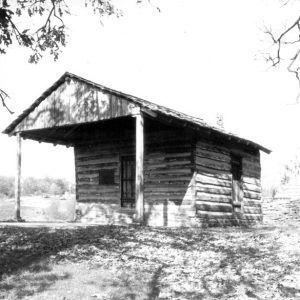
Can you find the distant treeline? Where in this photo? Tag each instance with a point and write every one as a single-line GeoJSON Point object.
{"type": "Point", "coordinates": [35, 186]}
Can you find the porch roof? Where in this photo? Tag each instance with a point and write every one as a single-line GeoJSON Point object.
{"type": "Point", "coordinates": [149, 108]}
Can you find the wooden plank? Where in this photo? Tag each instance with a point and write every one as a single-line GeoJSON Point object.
{"type": "Point", "coordinates": [213, 197]}
{"type": "Point", "coordinates": [75, 102]}
{"type": "Point", "coordinates": [139, 171]}
{"type": "Point", "coordinates": [112, 160]}
{"type": "Point", "coordinates": [252, 202]}
{"type": "Point", "coordinates": [18, 178]}
{"type": "Point", "coordinates": [210, 170]}
{"type": "Point", "coordinates": [213, 214]}
{"type": "Point", "coordinates": [206, 180]}
{"type": "Point", "coordinates": [218, 175]}
{"type": "Point", "coordinates": [168, 172]}
{"type": "Point", "coordinates": [158, 155]}
{"type": "Point", "coordinates": [98, 199]}
{"type": "Point", "coordinates": [212, 155]}
{"type": "Point", "coordinates": [211, 206]}
{"type": "Point", "coordinates": [251, 188]}
{"type": "Point", "coordinates": [212, 148]}
{"type": "Point", "coordinates": [216, 191]}
{"type": "Point", "coordinates": [251, 180]}
{"type": "Point", "coordinates": [252, 195]}
{"type": "Point", "coordinates": [168, 180]}
{"type": "Point", "coordinates": [213, 164]}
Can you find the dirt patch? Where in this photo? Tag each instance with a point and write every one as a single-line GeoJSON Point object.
{"type": "Point", "coordinates": [150, 263]}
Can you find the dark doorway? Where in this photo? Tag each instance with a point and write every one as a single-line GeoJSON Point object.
{"type": "Point", "coordinates": [237, 188]}
{"type": "Point", "coordinates": [128, 181]}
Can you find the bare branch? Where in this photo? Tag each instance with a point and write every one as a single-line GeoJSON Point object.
{"type": "Point", "coordinates": [286, 39]}
{"type": "Point", "coordinates": [3, 97]}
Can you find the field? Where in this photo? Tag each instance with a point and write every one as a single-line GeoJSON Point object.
{"type": "Point", "coordinates": [109, 262]}
{"type": "Point", "coordinates": [39, 208]}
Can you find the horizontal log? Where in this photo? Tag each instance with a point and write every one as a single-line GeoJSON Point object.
{"type": "Point", "coordinates": [96, 189]}
{"type": "Point", "coordinates": [175, 185]}
{"type": "Point", "coordinates": [166, 189]}
{"type": "Point", "coordinates": [213, 164]}
{"type": "Point", "coordinates": [100, 161]}
{"type": "Point", "coordinates": [98, 196]}
{"type": "Point", "coordinates": [251, 180]}
{"type": "Point", "coordinates": [205, 180]}
{"type": "Point", "coordinates": [210, 206]}
{"type": "Point", "coordinates": [175, 201]}
{"type": "Point", "coordinates": [94, 171]}
{"type": "Point", "coordinates": [216, 191]}
{"type": "Point", "coordinates": [182, 205]}
{"type": "Point", "coordinates": [94, 156]}
{"type": "Point", "coordinates": [252, 202]}
{"type": "Point", "coordinates": [248, 173]}
{"type": "Point", "coordinates": [256, 217]}
{"type": "Point", "coordinates": [98, 200]}
{"type": "Point", "coordinates": [165, 147]}
{"type": "Point", "coordinates": [251, 188]}
{"type": "Point", "coordinates": [218, 175]}
{"type": "Point", "coordinates": [252, 195]}
{"type": "Point", "coordinates": [184, 180]}
{"type": "Point", "coordinates": [212, 155]}
{"type": "Point", "coordinates": [104, 149]}
{"type": "Point", "coordinates": [158, 155]}
{"type": "Point", "coordinates": [97, 167]}
{"type": "Point", "coordinates": [211, 148]}
{"type": "Point", "coordinates": [252, 167]}
{"type": "Point", "coordinates": [168, 172]}
{"type": "Point", "coordinates": [94, 175]}
{"type": "Point", "coordinates": [214, 214]}
{"type": "Point", "coordinates": [94, 182]}
{"type": "Point", "coordinates": [250, 159]}
{"type": "Point", "coordinates": [214, 198]}
{"type": "Point", "coordinates": [208, 170]}
{"type": "Point", "coordinates": [168, 166]}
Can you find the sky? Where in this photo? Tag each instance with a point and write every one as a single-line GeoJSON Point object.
{"type": "Point", "coordinates": [198, 57]}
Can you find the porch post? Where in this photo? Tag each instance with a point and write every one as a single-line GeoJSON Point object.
{"type": "Point", "coordinates": [139, 167]}
{"type": "Point", "coordinates": [18, 179]}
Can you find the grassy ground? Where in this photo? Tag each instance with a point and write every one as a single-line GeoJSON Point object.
{"type": "Point", "coordinates": [38, 208]}
{"type": "Point", "coordinates": [106, 262]}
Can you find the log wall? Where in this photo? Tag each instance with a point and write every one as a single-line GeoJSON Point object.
{"type": "Point", "coordinates": [214, 186]}
{"type": "Point", "coordinates": [101, 203]}
{"type": "Point", "coordinates": [186, 182]}
{"type": "Point", "coordinates": [169, 179]}
{"type": "Point", "coordinates": [169, 193]}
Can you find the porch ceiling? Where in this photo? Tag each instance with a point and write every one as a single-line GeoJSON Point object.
{"type": "Point", "coordinates": [70, 135]}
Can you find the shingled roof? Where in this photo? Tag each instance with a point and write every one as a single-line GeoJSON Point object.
{"type": "Point", "coordinates": [144, 104]}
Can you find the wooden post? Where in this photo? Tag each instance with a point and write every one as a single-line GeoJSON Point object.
{"type": "Point", "coordinates": [18, 179]}
{"type": "Point", "coordinates": [139, 168]}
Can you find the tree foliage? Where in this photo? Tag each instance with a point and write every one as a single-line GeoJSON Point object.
{"type": "Point", "coordinates": [35, 186]}
{"type": "Point", "coordinates": [50, 35]}
{"type": "Point", "coordinates": [291, 170]}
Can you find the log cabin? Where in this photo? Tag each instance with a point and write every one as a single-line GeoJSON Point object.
{"type": "Point", "coordinates": [139, 162]}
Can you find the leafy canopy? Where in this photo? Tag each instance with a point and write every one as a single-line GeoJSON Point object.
{"type": "Point", "coordinates": [49, 35]}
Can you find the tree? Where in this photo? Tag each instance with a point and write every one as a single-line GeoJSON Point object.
{"type": "Point", "coordinates": [285, 44]}
{"type": "Point", "coordinates": [291, 170]}
{"type": "Point", "coordinates": [50, 35]}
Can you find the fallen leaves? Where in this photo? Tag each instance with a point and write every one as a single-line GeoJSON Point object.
{"type": "Point", "coordinates": [231, 263]}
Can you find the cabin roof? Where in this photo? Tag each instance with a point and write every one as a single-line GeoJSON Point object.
{"type": "Point", "coordinates": [145, 105]}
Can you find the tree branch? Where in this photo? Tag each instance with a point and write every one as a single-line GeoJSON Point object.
{"type": "Point", "coordinates": [4, 96]}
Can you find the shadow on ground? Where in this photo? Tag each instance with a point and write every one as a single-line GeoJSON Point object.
{"type": "Point", "coordinates": [157, 263]}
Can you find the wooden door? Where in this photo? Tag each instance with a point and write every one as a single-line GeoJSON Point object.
{"type": "Point", "coordinates": [128, 181]}
{"type": "Point", "coordinates": [237, 187]}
